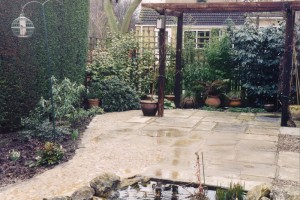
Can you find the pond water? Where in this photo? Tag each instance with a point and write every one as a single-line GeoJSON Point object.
{"type": "Point", "coordinates": [157, 191]}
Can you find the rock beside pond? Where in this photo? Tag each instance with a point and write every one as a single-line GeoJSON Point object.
{"type": "Point", "coordinates": [84, 193]}
{"type": "Point", "coordinates": [106, 185]}
{"type": "Point", "coordinates": [259, 192]}
{"type": "Point", "coordinates": [134, 180]}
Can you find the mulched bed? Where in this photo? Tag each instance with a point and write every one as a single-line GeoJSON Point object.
{"type": "Point", "coordinates": [22, 169]}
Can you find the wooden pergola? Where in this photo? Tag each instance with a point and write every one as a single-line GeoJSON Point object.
{"type": "Point", "coordinates": [177, 10]}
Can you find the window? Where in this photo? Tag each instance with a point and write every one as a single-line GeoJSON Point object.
{"type": "Point", "coordinates": [197, 38]}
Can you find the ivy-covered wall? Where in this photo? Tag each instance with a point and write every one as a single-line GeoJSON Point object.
{"type": "Point", "coordinates": [23, 61]}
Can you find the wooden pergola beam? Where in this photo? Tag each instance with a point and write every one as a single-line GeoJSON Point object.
{"type": "Point", "coordinates": [177, 9]}
{"type": "Point", "coordinates": [223, 7]}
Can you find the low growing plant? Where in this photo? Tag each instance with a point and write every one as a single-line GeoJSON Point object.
{"type": "Point", "coordinates": [14, 155]}
{"type": "Point", "coordinates": [50, 154]}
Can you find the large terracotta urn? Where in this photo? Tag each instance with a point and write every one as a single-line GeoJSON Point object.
{"type": "Point", "coordinates": [213, 101]}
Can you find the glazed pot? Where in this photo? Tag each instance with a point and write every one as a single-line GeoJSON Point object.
{"type": "Point", "coordinates": [149, 108]}
{"type": "Point", "coordinates": [213, 101]}
{"type": "Point", "coordinates": [189, 103]}
{"type": "Point", "coordinates": [269, 107]}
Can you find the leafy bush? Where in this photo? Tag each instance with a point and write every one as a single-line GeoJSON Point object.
{"type": "Point", "coordinates": [118, 96]}
{"type": "Point", "coordinates": [121, 58]}
{"type": "Point", "coordinates": [257, 55]}
{"type": "Point", "coordinates": [218, 63]}
{"type": "Point", "coordinates": [50, 154]}
{"type": "Point", "coordinates": [67, 98]}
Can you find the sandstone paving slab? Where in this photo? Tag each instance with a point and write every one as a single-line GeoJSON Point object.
{"type": "Point", "coordinates": [289, 159]}
{"type": "Point", "coordinates": [199, 135]}
{"type": "Point", "coordinates": [176, 122]}
{"type": "Point", "coordinates": [140, 119]}
{"type": "Point", "coordinates": [181, 113]}
{"type": "Point", "coordinates": [210, 156]}
{"type": "Point", "coordinates": [289, 174]}
{"type": "Point", "coordinates": [264, 124]}
{"type": "Point", "coordinates": [169, 131]}
{"type": "Point", "coordinates": [222, 141]}
{"type": "Point", "coordinates": [222, 119]}
{"type": "Point", "coordinates": [248, 114]}
{"type": "Point", "coordinates": [260, 157]}
{"type": "Point", "coordinates": [205, 126]}
{"type": "Point", "coordinates": [257, 130]}
{"type": "Point", "coordinates": [258, 137]}
{"type": "Point", "coordinates": [261, 170]}
{"type": "Point", "coordinates": [231, 128]}
{"type": "Point", "coordinates": [268, 118]}
{"type": "Point", "coordinates": [246, 117]}
{"type": "Point", "coordinates": [205, 113]}
{"type": "Point", "coordinates": [257, 145]}
{"type": "Point", "coordinates": [290, 131]}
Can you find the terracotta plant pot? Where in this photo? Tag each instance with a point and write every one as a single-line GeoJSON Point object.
{"type": "Point", "coordinates": [213, 101]}
{"type": "Point", "coordinates": [93, 102]}
{"type": "Point", "coordinates": [235, 102]}
{"type": "Point", "coordinates": [149, 108]}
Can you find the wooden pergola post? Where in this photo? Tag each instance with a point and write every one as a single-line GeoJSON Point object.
{"type": "Point", "coordinates": [287, 64]}
{"type": "Point", "coordinates": [178, 74]}
{"type": "Point", "coordinates": [162, 69]}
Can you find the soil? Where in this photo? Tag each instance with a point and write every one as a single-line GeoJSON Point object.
{"type": "Point", "coordinates": [24, 168]}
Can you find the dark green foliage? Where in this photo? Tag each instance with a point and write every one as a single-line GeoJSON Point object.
{"type": "Point", "coordinates": [118, 96]}
{"type": "Point", "coordinates": [257, 55]}
{"type": "Point", "coordinates": [217, 58]}
{"type": "Point", "coordinates": [23, 61]}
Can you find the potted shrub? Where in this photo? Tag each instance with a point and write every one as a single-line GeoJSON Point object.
{"type": "Point", "coordinates": [234, 98]}
{"type": "Point", "coordinates": [213, 90]}
{"type": "Point", "coordinates": [189, 100]}
{"type": "Point", "coordinates": [150, 106]}
{"type": "Point", "coordinates": [94, 94]}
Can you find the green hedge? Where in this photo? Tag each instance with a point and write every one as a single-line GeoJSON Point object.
{"type": "Point", "coordinates": [23, 62]}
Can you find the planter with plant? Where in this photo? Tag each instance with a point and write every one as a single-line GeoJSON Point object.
{"type": "Point", "coordinates": [234, 98]}
{"type": "Point", "coordinates": [150, 106]}
{"type": "Point", "coordinates": [189, 99]}
{"type": "Point", "coordinates": [94, 95]}
{"type": "Point", "coordinates": [213, 91]}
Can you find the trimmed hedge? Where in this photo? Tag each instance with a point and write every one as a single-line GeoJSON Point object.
{"type": "Point", "coordinates": [23, 62]}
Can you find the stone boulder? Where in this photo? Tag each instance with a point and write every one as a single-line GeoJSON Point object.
{"type": "Point", "coordinates": [106, 185]}
{"type": "Point", "coordinates": [83, 193]}
{"type": "Point", "coordinates": [258, 192]}
{"type": "Point", "coordinates": [134, 180]}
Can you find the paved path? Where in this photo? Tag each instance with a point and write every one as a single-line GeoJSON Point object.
{"type": "Point", "coordinates": [237, 147]}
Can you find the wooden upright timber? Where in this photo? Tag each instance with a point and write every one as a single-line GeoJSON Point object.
{"type": "Point", "coordinates": [287, 65]}
{"type": "Point", "coordinates": [176, 8]}
{"type": "Point", "coordinates": [178, 74]}
{"type": "Point", "coordinates": [162, 71]}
